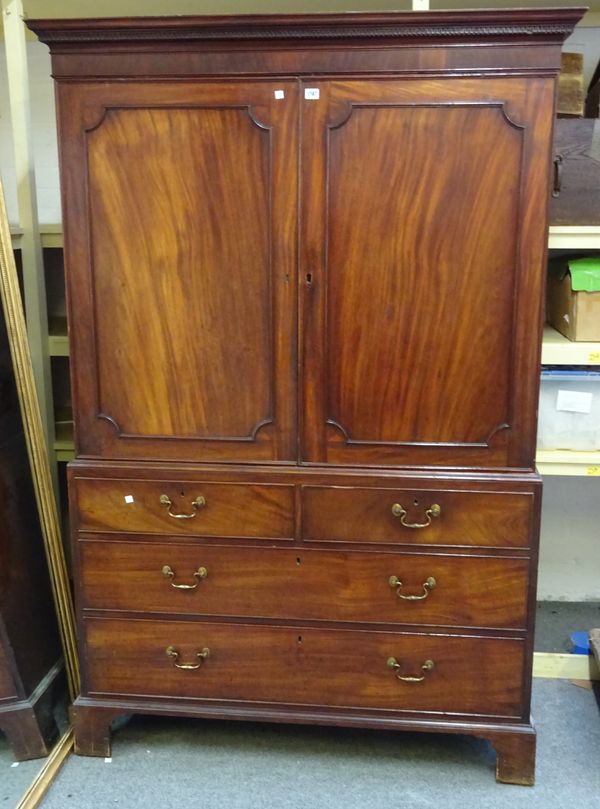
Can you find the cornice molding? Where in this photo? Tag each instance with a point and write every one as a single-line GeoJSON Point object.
{"type": "Point", "coordinates": [460, 25]}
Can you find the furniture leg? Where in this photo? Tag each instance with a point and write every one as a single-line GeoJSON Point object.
{"type": "Point", "coordinates": [515, 763]}
{"type": "Point", "coordinates": [92, 729]}
{"type": "Point", "coordinates": [23, 733]}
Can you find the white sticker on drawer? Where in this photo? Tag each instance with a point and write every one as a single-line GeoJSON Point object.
{"type": "Point", "coordinates": [574, 401]}
{"type": "Point", "coordinates": [128, 498]}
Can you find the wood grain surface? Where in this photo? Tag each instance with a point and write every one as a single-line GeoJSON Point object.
{"type": "Point", "coordinates": [345, 514]}
{"type": "Point", "coordinates": [471, 675]}
{"type": "Point", "coordinates": [182, 268]}
{"type": "Point", "coordinates": [420, 199]}
{"type": "Point", "coordinates": [229, 510]}
{"type": "Point", "coordinates": [180, 226]}
{"type": "Point", "coordinates": [470, 591]}
{"type": "Point", "coordinates": [414, 236]}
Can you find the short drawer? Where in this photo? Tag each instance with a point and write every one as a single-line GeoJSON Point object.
{"type": "Point", "coordinates": [443, 590]}
{"type": "Point", "coordinates": [186, 507]}
{"type": "Point", "coordinates": [432, 516]}
{"type": "Point", "coordinates": [305, 666]}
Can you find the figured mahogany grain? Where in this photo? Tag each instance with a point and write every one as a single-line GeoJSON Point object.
{"type": "Point", "coordinates": [182, 309]}
{"type": "Point", "coordinates": [421, 183]}
{"type": "Point", "coordinates": [182, 271]}
{"type": "Point", "coordinates": [304, 584]}
{"type": "Point", "coordinates": [229, 510]}
{"type": "Point", "coordinates": [304, 666]}
{"type": "Point", "coordinates": [348, 514]}
{"type": "Point", "coordinates": [413, 197]}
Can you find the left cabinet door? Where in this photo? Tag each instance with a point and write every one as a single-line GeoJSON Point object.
{"type": "Point", "coordinates": [179, 202]}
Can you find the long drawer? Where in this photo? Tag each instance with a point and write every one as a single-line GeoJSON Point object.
{"type": "Point", "coordinates": [433, 516]}
{"type": "Point", "coordinates": [305, 666]}
{"type": "Point", "coordinates": [202, 508]}
{"type": "Point", "coordinates": [448, 590]}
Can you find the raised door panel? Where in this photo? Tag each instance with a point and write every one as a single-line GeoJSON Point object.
{"type": "Point", "coordinates": [180, 257]}
{"type": "Point", "coordinates": [421, 263]}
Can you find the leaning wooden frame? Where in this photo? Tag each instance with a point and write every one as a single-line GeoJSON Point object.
{"type": "Point", "coordinates": [12, 307]}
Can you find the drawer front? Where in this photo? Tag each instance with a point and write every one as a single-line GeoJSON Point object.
{"type": "Point", "coordinates": [223, 510]}
{"type": "Point", "coordinates": [305, 666]}
{"type": "Point", "coordinates": [339, 514]}
{"type": "Point", "coordinates": [305, 584]}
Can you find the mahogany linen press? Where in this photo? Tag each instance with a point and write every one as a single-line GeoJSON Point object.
{"type": "Point", "coordinates": [305, 264]}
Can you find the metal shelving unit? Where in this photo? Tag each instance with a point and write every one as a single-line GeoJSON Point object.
{"type": "Point", "coordinates": [558, 350]}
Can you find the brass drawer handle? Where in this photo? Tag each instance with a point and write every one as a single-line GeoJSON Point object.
{"type": "Point", "coordinates": [393, 664]}
{"type": "Point", "coordinates": [432, 511]}
{"type": "Point", "coordinates": [172, 652]}
{"type": "Point", "coordinates": [395, 583]}
{"type": "Point", "coordinates": [198, 503]}
{"type": "Point", "coordinates": [199, 574]}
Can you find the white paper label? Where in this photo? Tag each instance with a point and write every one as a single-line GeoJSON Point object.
{"type": "Point", "coordinates": [128, 498]}
{"type": "Point", "coordinates": [279, 94]}
{"type": "Point", "coordinates": [311, 93]}
{"type": "Point", "coordinates": [108, 760]}
{"type": "Point", "coordinates": [574, 401]}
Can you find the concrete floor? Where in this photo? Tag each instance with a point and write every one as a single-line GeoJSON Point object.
{"type": "Point", "coordinates": [556, 620]}
{"type": "Point", "coordinates": [14, 778]}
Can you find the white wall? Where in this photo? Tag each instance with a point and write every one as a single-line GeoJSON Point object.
{"type": "Point", "coordinates": [43, 123]}
{"type": "Point", "coordinates": [587, 42]}
{"type": "Point", "coordinates": [570, 543]}
{"type": "Point", "coordinates": [570, 540]}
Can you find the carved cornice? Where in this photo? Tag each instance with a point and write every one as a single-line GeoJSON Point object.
{"type": "Point", "coordinates": [445, 25]}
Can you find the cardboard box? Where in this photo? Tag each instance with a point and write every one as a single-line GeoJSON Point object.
{"type": "Point", "coordinates": [573, 304]}
{"type": "Point", "coordinates": [571, 95]}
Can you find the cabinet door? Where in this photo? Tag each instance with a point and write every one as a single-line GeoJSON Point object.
{"type": "Point", "coordinates": [423, 243]}
{"type": "Point", "coordinates": [180, 207]}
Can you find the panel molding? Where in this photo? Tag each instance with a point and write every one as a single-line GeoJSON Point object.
{"type": "Point", "coordinates": [485, 444]}
{"type": "Point", "coordinates": [350, 106]}
{"type": "Point", "coordinates": [107, 109]}
{"type": "Point", "coordinates": [122, 434]}
{"type": "Point", "coordinates": [106, 112]}
{"type": "Point", "coordinates": [346, 111]}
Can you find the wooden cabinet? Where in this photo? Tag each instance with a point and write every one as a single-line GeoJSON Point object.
{"type": "Point", "coordinates": [305, 262]}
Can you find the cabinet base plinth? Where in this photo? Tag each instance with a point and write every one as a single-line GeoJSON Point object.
{"type": "Point", "coordinates": [514, 743]}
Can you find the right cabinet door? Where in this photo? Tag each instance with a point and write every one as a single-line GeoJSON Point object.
{"type": "Point", "coordinates": [422, 250]}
